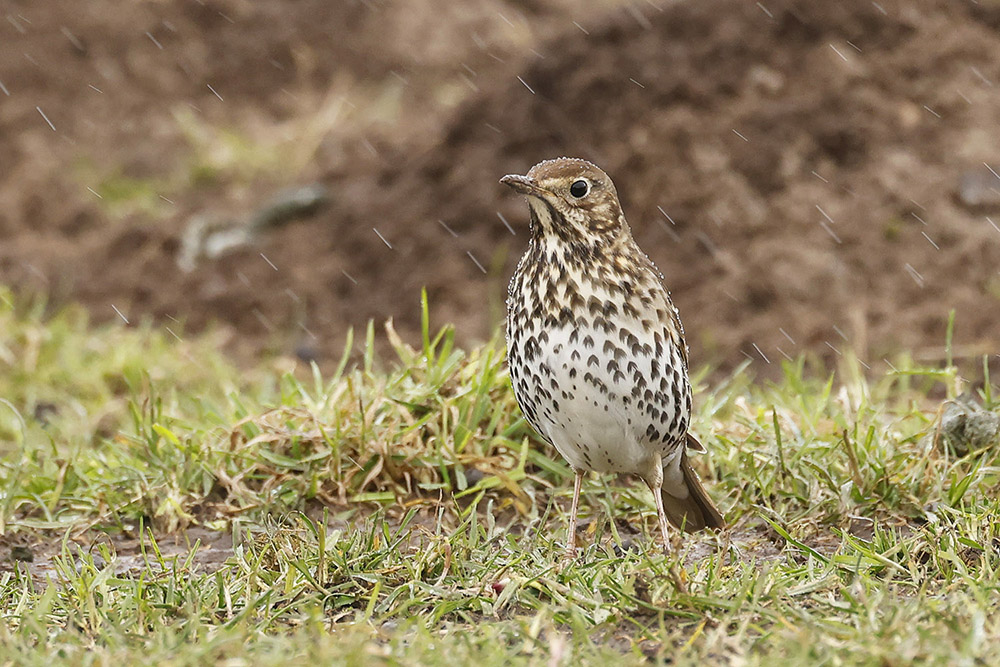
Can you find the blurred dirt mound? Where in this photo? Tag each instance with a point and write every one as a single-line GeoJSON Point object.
{"type": "Point", "coordinates": [791, 167]}
{"type": "Point", "coordinates": [791, 170]}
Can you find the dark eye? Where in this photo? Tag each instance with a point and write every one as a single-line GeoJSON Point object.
{"type": "Point", "coordinates": [579, 188]}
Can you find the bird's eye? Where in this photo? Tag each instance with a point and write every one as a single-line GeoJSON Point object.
{"type": "Point", "coordinates": [579, 188]}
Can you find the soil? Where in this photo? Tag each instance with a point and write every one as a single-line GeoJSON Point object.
{"type": "Point", "coordinates": [45, 557]}
{"type": "Point", "coordinates": [794, 168]}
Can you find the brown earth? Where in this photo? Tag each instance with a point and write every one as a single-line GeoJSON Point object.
{"type": "Point", "coordinates": [791, 167]}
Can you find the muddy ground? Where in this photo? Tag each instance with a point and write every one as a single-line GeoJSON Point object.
{"type": "Point", "coordinates": [808, 176]}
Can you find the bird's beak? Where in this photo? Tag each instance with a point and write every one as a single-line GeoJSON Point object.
{"type": "Point", "coordinates": [523, 184]}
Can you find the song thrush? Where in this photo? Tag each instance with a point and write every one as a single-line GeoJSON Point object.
{"type": "Point", "coordinates": [595, 346]}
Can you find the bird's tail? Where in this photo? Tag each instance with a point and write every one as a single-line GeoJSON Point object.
{"type": "Point", "coordinates": [696, 511]}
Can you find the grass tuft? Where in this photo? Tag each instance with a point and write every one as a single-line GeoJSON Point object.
{"type": "Point", "coordinates": [158, 505]}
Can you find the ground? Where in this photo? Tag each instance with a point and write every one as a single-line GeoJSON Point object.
{"type": "Point", "coordinates": [807, 177]}
{"type": "Point", "coordinates": [815, 181]}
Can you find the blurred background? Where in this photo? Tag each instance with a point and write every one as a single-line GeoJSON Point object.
{"type": "Point", "coordinates": [810, 177]}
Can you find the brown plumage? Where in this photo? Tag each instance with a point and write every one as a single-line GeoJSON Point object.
{"type": "Point", "coordinates": [596, 348]}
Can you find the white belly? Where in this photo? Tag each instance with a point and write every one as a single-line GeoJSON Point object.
{"type": "Point", "coordinates": [602, 406]}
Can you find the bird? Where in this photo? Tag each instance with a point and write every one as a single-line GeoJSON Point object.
{"type": "Point", "coordinates": [595, 347]}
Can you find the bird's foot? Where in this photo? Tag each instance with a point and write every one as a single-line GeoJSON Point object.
{"type": "Point", "coordinates": [677, 577]}
{"type": "Point", "coordinates": [569, 555]}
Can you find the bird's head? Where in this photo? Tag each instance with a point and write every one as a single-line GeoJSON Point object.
{"type": "Point", "coordinates": [571, 199]}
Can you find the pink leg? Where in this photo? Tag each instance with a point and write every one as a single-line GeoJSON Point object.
{"type": "Point", "coordinates": [664, 526]}
{"type": "Point", "coordinates": [654, 486]}
{"type": "Point", "coordinates": [574, 508]}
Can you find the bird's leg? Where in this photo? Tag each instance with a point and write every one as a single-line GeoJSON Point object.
{"type": "Point", "coordinates": [655, 485]}
{"type": "Point", "coordinates": [574, 508]}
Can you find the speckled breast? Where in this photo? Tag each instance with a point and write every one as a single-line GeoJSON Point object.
{"type": "Point", "coordinates": [605, 385]}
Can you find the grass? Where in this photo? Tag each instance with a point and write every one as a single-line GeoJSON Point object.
{"type": "Point", "coordinates": [157, 505]}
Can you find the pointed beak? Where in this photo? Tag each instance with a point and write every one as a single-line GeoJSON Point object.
{"type": "Point", "coordinates": [523, 184]}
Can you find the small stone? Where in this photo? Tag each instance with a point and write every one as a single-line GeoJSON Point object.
{"type": "Point", "coordinates": [23, 554]}
{"type": "Point", "coordinates": [979, 188]}
{"type": "Point", "coordinates": [966, 427]}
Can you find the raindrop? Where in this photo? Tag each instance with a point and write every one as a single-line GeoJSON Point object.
{"type": "Point", "coordinates": [17, 26]}
{"type": "Point", "coordinates": [763, 356]}
{"type": "Point", "coordinates": [673, 235]}
{"type": "Point", "coordinates": [506, 224]}
{"type": "Point", "coordinates": [387, 244]}
{"type": "Point", "coordinates": [269, 262]}
{"type": "Point", "coordinates": [308, 331]}
{"type": "Point", "coordinates": [830, 231]}
{"type": "Point", "coordinates": [450, 230]}
{"type": "Point", "coordinates": [473, 258]}
{"type": "Point", "coordinates": [638, 16]}
{"type": "Point", "coordinates": [266, 323]}
{"type": "Point", "coordinates": [981, 76]}
{"type": "Point", "coordinates": [917, 278]}
{"type": "Point", "coordinates": [46, 118]}
{"type": "Point", "coordinates": [472, 86]}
